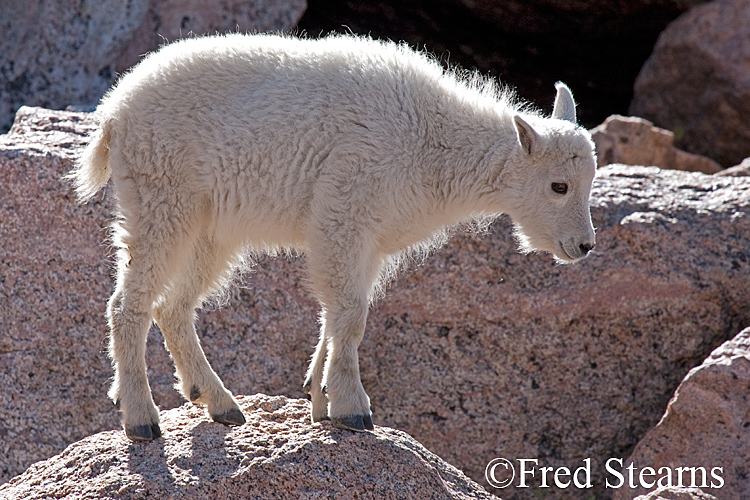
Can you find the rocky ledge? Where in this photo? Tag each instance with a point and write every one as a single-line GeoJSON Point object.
{"type": "Point", "coordinates": [277, 454]}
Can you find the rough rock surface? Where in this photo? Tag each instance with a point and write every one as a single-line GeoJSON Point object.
{"type": "Point", "coordinates": [277, 454]}
{"type": "Point", "coordinates": [675, 493]}
{"type": "Point", "coordinates": [67, 62]}
{"type": "Point", "coordinates": [634, 141]}
{"type": "Point", "coordinates": [707, 424]}
{"type": "Point", "coordinates": [479, 352]}
{"type": "Point", "coordinates": [170, 20]}
{"type": "Point", "coordinates": [697, 81]}
{"type": "Point", "coordinates": [83, 45]}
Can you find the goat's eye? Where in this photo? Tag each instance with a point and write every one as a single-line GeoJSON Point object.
{"type": "Point", "coordinates": [559, 187]}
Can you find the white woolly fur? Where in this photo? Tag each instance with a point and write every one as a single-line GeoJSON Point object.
{"type": "Point", "coordinates": [350, 150]}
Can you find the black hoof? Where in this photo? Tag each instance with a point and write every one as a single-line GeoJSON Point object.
{"type": "Point", "coordinates": [308, 396]}
{"type": "Point", "coordinates": [231, 417]}
{"type": "Point", "coordinates": [307, 386]}
{"type": "Point", "coordinates": [156, 431]}
{"type": "Point", "coordinates": [195, 393]}
{"type": "Point", "coordinates": [367, 420]}
{"type": "Point", "coordinates": [117, 404]}
{"type": "Point", "coordinates": [143, 432]}
{"type": "Point", "coordinates": [357, 423]}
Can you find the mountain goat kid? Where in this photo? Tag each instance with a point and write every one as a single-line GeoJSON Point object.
{"type": "Point", "coordinates": [350, 150]}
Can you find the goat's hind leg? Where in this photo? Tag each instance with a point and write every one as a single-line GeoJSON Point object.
{"type": "Point", "coordinates": [175, 315]}
{"type": "Point", "coordinates": [313, 385]}
{"type": "Point", "coordinates": [129, 313]}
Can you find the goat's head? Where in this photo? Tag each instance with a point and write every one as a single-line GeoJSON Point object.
{"type": "Point", "coordinates": [554, 166]}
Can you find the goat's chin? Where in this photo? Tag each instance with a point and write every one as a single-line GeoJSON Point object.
{"type": "Point", "coordinates": [563, 258]}
{"type": "Point", "coordinates": [527, 245]}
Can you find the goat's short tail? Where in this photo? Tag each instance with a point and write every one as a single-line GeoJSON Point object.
{"type": "Point", "coordinates": [91, 171]}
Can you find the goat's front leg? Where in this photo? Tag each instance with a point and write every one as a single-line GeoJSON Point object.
{"type": "Point", "coordinates": [348, 404]}
{"type": "Point", "coordinates": [343, 272]}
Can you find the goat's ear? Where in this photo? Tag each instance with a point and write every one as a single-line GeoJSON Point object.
{"type": "Point", "coordinates": [527, 136]}
{"type": "Point", "coordinates": [565, 106]}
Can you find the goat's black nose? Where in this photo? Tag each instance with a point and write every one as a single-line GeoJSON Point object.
{"type": "Point", "coordinates": [586, 248]}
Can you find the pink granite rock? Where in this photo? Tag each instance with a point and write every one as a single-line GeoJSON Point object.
{"type": "Point", "coordinates": [635, 141]}
{"type": "Point", "coordinates": [53, 275]}
{"type": "Point", "coordinates": [706, 426]}
{"type": "Point", "coordinates": [277, 454]}
{"type": "Point", "coordinates": [694, 163]}
{"type": "Point", "coordinates": [696, 82]}
{"type": "Point", "coordinates": [479, 352]}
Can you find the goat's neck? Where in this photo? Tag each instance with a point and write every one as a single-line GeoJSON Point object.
{"type": "Point", "coordinates": [469, 156]}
